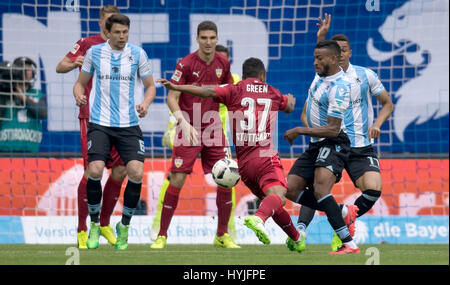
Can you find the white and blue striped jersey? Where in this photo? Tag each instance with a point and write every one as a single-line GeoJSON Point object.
{"type": "Point", "coordinates": [114, 91]}
{"type": "Point", "coordinates": [359, 115]}
{"type": "Point", "coordinates": [327, 96]}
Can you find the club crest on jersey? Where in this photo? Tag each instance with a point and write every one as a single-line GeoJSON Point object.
{"type": "Point", "coordinates": [75, 48]}
{"type": "Point", "coordinates": [131, 59]}
{"type": "Point", "coordinates": [177, 75]}
{"type": "Point", "coordinates": [178, 162]}
{"type": "Point", "coordinates": [218, 72]}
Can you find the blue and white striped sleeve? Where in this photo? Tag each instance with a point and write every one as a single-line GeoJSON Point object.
{"type": "Point", "coordinates": [338, 100]}
{"type": "Point", "coordinates": [88, 67]}
{"type": "Point", "coordinates": [144, 65]}
{"type": "Point", "coordinates": [376, 87]}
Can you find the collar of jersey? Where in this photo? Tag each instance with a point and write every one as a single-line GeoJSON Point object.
{"type": "Point", "coordinates": [334, 76]}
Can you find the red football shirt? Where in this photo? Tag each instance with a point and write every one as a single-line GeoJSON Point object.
{"type": "Point", "coordinates": [80, 48]}
{"type": "Point", "coordinates": [252, 110]}
{"type": "Point", "coordinates": [192, 70]}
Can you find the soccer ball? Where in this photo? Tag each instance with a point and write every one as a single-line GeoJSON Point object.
{"type": "Point", "coordinates": [225, 173]}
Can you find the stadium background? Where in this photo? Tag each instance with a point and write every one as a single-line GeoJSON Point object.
{"type": "Point", "coordinates": [405, 42]}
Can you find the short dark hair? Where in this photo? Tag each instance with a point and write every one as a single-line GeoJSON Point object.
{"type": "Point", "coordinates": [252, 68]}
{"type": "Point", "coordinates": [117, 19]}
{"type": "Point", "coordinates": [108, 9]}
{"type": "Point", "coordinates": [340, 38]}
{"type": "Point", "coordinates": [331, 45]}
{"type": "Point", "coordinates": [221, 48]}
{"type": "Point", "coordinates": [206, 26]}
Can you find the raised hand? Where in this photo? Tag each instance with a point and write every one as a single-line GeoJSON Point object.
{"type": "Point", "coordinates": [324, 26]}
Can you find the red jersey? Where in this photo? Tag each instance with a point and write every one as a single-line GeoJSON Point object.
{"type": "Point", "coordinates": [252, 111]}
{"type": "Point", "coordinates": [80, 48]}
{"type": "Point", "coordinates": [192, 70]}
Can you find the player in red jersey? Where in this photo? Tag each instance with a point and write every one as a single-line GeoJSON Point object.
{"type": "Point", "coordinates": [252, 105]}
{"type": "Point", "coordinates": [72, 60]}
{"type": "Point", "coordinates": [204, 67]}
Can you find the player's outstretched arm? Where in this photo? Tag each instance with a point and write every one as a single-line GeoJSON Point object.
{"type": "Point", "coordinates": [330, 130]}
{"type": "Point", "coordinates": [149, 96]}
{"type": "Point", "coordinates": [78, 89]}
{"type": "Point", "coordinates": [290, 104]}
{"type": "Point", "coordinates": [203, 92]}
{"type": "Point", "coordinates": [66, 64]}
{"type": "Point", "coordinates": [386, 110]}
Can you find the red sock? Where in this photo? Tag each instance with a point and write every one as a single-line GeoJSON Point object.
{"type": "Point", "coordinates": [169, 205]}
{"type": "Point", "coordinates": [269, 206]}
{"type": "Point", "coordinates": [83, 211]}
{"type": "Point", "coordinates": [282, 218]}
{"type": "Point", "coordinates": [224, 205]}
{"type": "Point", "coordinates": [111, 194]}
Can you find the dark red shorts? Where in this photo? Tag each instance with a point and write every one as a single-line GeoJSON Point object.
{"type": "Point", "coordinates": [261, 173]}
{"type": "Point", "coordinates": [184, 156]}
{"type": "Point", "coordinates": [114, 158]}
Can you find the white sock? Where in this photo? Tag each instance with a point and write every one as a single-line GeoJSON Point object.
{"type": "Point", "coordinates": [351, 244]}
{"type": "Point", "coordinates": [344, 211]}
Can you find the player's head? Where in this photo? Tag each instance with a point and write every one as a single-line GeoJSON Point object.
{"type": "Point", "coordinates": [222, 50]}
{"type": "Point", "coordinates": [346, 51]}
{"type": "Point", "coordinates": [327, 56]}
{"type": "Point", "coordinates": [106, 12]}
{"type": "Point", "coordinates": [118, 26]}
{"type": "Point", "coordinates": [25, 69]}
{"type": "Point", "coordinates": [207, 37]}
{"type": "Point", "coordinates": [254, 68]}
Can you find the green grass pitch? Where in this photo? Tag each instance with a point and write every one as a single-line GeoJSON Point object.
{"type": "Point", "coordinates": [173, 254]}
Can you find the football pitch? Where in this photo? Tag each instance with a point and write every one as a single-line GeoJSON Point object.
{"type": "Point", "coordinates": [173, 254]}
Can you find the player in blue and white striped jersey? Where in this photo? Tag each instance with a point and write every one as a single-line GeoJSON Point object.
{"type": "Point", "coordinates": [322, 163]}
{"type": "Point", "coordinates": [114, 118]}
{"type": "Point", "coordinates": [362, 164]}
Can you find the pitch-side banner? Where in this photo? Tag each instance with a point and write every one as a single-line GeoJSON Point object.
{"type": "Point", "coordinates": [202, 229]}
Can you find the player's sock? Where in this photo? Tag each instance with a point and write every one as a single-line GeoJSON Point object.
{"type": "Point", "coordinates": [224, 204]}
{"type": "Point", "coordinates": [169, 205]}
{"type": "Point", "coordinates": [111, 194]}
{"type": "Point", "coordinates": [269, 206]}
{"type": "Point", "coordinates": [366, 201]}
{"type": "Point", "coordinates": [282, 218]}
{"type": "Point", "coordinates": [130, 200]}
{"type": "Point", "coordinates": [94, 197]}
{"type": "Point", "coordinates": [344, 210]}
{"type": "Point", "coordinates": [83, 210]}
{"type": "Point", "coordinates": [305, 217]}
{"type": "Point", "coordinates": [334, 215]}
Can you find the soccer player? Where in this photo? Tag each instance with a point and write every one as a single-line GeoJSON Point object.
{"type": "Point", "coordinates": [202, 67]}
{"type": "Point", "coordinates": [253, 106]}
{"type": "Point", "coordinates": [168, 139]}
{"type": "Point", "coordinates": [362, 164]}
{"type": "Point", "coordinates": [321, 165]}
{"type": "Point", "coordinates": [74, 59]}
{"type": "Point", "coordinates": [115, 66]}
